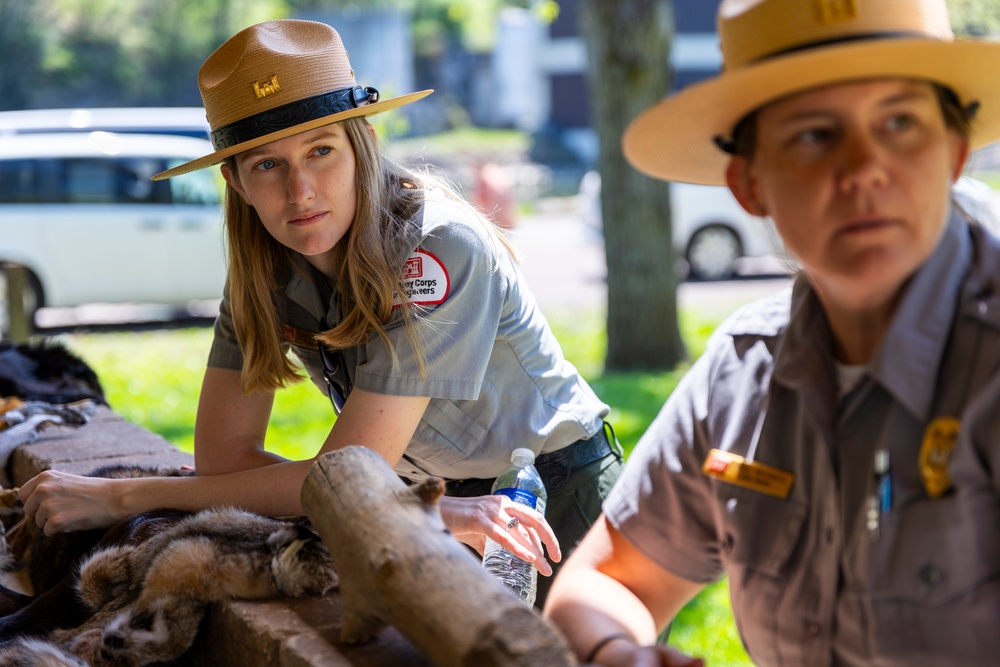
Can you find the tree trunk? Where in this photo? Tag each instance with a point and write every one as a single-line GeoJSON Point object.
{"type": "Point", "coordinates": [628, 42]}
{"type": "Point", "coordinates": [397, 565]}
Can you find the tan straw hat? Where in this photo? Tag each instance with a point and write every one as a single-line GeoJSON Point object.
{"type": "Point", "coordinates": [276, 79]}
{"type": "Point", "coordinates": [772, 48]}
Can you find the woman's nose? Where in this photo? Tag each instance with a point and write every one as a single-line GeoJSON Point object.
{"type": "Point", "coordinates": [863, 165]}
{"type": "Point", "coordinates": [300, 186]}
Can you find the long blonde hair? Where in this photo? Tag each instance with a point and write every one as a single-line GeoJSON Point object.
{"type": "Point", "coordinates": [369, 257]}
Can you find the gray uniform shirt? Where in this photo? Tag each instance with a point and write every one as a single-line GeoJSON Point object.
{"type": "Point", "coordinates": [811, 582]}
{"type": "Point", "coordinates": [495, 372]}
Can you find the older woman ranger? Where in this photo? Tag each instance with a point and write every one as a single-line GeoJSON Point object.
{"type": "Point", "coordinates": [835, 451]}
{"type": "Point", "coordinates": [402, 302]}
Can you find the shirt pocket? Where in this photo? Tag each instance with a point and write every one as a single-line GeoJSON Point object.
{"type": "Point", "coordinates": [447, 435]}
{"type": "Point", "coordinates": [935, 582]}
{"type": "Point", "coordinates": [758, 539]}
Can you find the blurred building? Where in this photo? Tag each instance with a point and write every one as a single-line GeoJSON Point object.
{"type": "Point", "coordinates": [553, 59]}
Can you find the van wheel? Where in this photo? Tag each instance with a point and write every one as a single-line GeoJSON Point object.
{"type": "Point", "coordinates": [712, 253]}
{"type": "Point", "coordinates": [31, 298]}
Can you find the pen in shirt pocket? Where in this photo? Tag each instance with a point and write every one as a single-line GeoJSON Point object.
{"type": "Point", "coordinates": [881, 499]}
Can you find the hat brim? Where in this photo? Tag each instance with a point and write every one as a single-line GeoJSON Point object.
{"type": "Point", "coordinates": [220, 155]}
{"type": "Point", "coordinates": [673, 140]}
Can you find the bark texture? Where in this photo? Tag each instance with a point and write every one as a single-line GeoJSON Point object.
{"type": "Point", "coordinates": [397, 565]}
{"type": "Point", "coordinates": [628, 46]}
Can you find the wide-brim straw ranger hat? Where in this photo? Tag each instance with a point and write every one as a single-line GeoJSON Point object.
{"type": "Point", "coordinates": [276, 79]}
{"type": "Point", "coordinates": [774, 48]}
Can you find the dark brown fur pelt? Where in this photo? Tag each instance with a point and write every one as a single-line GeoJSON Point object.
{"type": "Point", "coordinates": [46, 371]}
{"type": "Point", "coordinates": [140, 594]}
{"type": "Point", "coordinates": [51, 558]}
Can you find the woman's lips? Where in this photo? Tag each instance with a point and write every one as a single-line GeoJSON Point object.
{"type": "Point", "coordinates": [866, 225]}
{"type": "Point", "coordinates": [307, 218]}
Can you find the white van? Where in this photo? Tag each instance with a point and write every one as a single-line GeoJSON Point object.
{"type": "Point", "coordinates": [181, 121]}
{"type": "Point", "coordinates": [711, 231]}
{"type": "Point", "coordinates": [79, 210]}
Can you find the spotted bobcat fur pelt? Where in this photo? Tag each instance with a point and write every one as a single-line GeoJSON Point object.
{"type": "Point", "coordinates": [144, 599]}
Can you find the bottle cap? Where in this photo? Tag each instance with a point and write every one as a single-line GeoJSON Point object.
{"type": "Point", "coordinates": [522, 456]}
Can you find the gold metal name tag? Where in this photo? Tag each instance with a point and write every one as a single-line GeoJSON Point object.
{"type": "Point", "coordinates": [935, 454]}
{"type": "Point", "coordinates": [734, 469]}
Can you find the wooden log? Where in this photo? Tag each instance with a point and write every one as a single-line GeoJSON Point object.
{"type": "Point", "coordinates": [398, 565]}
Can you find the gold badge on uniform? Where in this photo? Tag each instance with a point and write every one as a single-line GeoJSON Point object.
{"type": "Point", "coordinates": [734, 469]}
{"type": "Point", "coordinates": [935, 454]}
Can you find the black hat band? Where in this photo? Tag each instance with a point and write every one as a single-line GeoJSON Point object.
{"type": "Point", "coordinates": [292, 114]}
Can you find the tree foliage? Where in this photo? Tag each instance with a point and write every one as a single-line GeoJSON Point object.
{"type": "Point", "coordinates": [110, 52]}
{"type": "Point", "coordinates": [147, 52]}
{"type": "Point", "coordinates": [975, 18]}
{"type": "Point", "coordinates": [20, 43]}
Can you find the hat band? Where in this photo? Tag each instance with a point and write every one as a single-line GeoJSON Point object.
{"type": "Point", "coordinates": [292, 114]}
{"type": "Point", "coordinates": [841, 40]}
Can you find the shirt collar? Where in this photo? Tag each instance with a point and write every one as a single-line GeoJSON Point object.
{"type": "Point", "coordinates": [907, 362]}
{"type": "Point", "coordinates": [302, 289]}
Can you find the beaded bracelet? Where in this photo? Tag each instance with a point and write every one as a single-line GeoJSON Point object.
{"type": "Point", "coordinates": [604, 642]}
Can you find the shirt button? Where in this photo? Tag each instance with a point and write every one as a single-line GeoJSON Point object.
{"type": "Point", "coordinates": [813, 629]}
{"type": "Point", "coordinates": [829, 535]}
{"type": "Point", "coordinates": [727, 544]}
{"type": "Point", "coordinates": [930, 574]}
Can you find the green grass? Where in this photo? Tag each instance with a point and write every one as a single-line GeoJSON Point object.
{"type": "Point", "coordinates": [153, 379]}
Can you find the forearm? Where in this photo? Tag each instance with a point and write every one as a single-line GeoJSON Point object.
{"type": "Point", "coordinates": [272, 490]}
{"type": "Point", "coordinates": [246, 458]}
{"type": "Point", "coordinates": [589, 606]}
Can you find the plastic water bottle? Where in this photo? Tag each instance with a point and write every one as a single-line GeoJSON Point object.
{"type": "Point", "coordinates": [521, 483]}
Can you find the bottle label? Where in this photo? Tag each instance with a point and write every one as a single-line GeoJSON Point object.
{"type": "Point", "coordinates": [520, 496]}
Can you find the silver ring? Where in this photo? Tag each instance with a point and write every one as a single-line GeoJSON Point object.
{"type": "Point", "coordinates": [513, 522]}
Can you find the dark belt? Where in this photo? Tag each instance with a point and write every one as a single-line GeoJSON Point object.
{"type": "Point", "coordinates": [555, 467]}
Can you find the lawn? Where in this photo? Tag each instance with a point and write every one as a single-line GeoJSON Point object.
{"type": "Point", "coordinates": [153, 380]}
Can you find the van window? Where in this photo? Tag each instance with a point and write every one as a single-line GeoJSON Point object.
{"type": "Point", "coordinates": [195, 187]}
{"type": "Point", "coordinates": [18, 182]}
{"type": "Point", "coordinates": [83, 181]}
{"type": "Point", "coordinates": [111, 181]}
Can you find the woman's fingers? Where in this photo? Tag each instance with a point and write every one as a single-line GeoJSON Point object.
{"type": "Point", "coordinates": [59, 502]}
{"type": "Point", "coordinates": [529, 534]}
{"type": "Point", "coordinates": [542, 532]}
{"type": "Point", "coordinates": [471, 520]}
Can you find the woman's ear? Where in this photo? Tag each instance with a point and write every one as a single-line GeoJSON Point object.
{"type": "Point", "coordinates": [741, 184]}
{"type": "Point", "coordinates": [233, 179]}
{"type": "Point", "coordinates": [960, 149]}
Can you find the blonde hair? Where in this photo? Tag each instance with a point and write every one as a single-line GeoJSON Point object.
{"type": "Point", "coordinates": [369, 258]}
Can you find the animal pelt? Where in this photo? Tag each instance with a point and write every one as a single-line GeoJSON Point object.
{"type": "Point", "coordinates": [139, 595]}
{"type": "Point", "coordinates": [42, 384]}
{"type": "Point", "coordinates": [46, 371]}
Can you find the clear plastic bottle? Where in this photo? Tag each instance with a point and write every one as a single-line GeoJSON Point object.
{"type": "Point", "coordinates": [521, 483]}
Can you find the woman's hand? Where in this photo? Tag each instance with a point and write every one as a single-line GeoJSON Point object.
{"type": "Point", "coordinates": [472, 520]}
{"type": "Point", "coordinates": [625, 653]}
{"type": "Point", "coordinates": [59, 502]}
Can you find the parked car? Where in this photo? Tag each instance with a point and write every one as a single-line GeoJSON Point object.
{"type": "Point", "coordinates": [711, 231]}
{"type": "Point", "coordinates": [79, 210]}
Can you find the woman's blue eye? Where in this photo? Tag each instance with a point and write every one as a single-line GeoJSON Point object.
{"type": "Point", "coordinates": [813, 136]}
{"type": "Point", "coordinates": [265, 165]}
{"type": "Point", "coordinates": [324, 150]}
{"type": "Point", "coordinates": [901, 122]}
